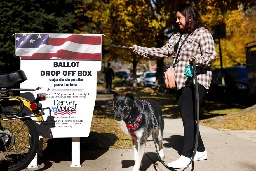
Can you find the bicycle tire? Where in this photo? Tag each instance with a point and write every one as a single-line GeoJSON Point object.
{"type": "Point", "coordinates": [34, 143]}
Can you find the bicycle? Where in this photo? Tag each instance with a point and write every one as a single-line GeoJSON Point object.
{"type": "Point", "coordinates": [16, 115]}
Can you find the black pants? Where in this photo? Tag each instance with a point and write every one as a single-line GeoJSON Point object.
{"type": "Point", "coordinates": [186, 102]}
{"type": "Point", "coordinates": [109, 83]}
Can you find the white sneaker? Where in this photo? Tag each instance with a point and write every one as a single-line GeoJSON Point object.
{"type": "Point", "coordinates": [200, 156]}
{"type": "Point", "coordinates": [181, 163]}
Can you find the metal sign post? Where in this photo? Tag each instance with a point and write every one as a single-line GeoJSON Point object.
{"type": "Point", "coordinates": [218, 32]}
{"type": "Point", "coordinates": [75, 152]}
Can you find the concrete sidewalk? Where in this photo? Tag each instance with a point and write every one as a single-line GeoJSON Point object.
{"type": "Point", "coordinates": [227, 151]}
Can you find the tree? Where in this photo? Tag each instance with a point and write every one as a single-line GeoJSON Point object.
{"type": "Point", "coordinates": [149, 22]}
{"type": "Point", "coordinates": [240, 29]}
{"type": "Point", "coordinates": [122, 23]}
{"type": "Point", "coordinates": [166, 10]}
{"type": "Point", "coordinates": [30, 16]}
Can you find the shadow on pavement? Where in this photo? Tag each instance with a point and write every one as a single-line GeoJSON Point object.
{"type": "Point", "coordinates": [127, 163]}
{"type": "Point", "coordinates": [175, 142]}
{"type": "Point", "coordinates": [152, 159]}
{"type": "Point", "coordinates": [148, 159]}
{"type": "Point", "coordinates": [60, 149]}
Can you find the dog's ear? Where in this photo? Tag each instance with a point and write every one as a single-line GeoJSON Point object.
{"type": "Point", "coordinates": [131, 96]}
{"type": "Point", "coordinates": [114, 93]}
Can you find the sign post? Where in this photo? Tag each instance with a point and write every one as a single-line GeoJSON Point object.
{"type": "Point", "coordinates": [219, 31]}
{"type": "Point", "coordinates": [75, 152]}
{"type": "Point", "coordinates": [66, 66]}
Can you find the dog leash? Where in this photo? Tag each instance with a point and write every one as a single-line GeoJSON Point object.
{"type": "Point", "coordinates": [117, 46]}
{"type": "Point", "coordinates": [197, 117]}
{"type": "Point", "coordinates": [197, 125]}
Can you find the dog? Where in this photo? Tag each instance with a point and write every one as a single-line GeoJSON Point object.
{"type": "Point", "coordinates": [142, 118]}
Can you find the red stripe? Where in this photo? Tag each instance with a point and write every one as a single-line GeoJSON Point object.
{"type": "Point", "coordinates": [92, 40]}
{"type": "Point", "coordinates": [64, 112]}
{"type": "Point", "coordinates": [65, 54]}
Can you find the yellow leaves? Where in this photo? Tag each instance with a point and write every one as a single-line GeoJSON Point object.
{"type": "Point", "coordinates": [129, 22]}
{"type": "Point", "coordinates": [154, 24]}
{"type": "Point", "coordinates": [213, 17]}
{"type": "Point", "coordinates": [238, 32]}
{"type": "Point", "coordinates": [129, 9]}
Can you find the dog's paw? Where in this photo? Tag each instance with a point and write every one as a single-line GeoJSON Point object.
{"type": "Point", "coordinates": [161, 154]}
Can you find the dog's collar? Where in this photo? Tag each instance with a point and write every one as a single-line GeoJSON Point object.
{"type": "Point", "coordinates": [132, 127]}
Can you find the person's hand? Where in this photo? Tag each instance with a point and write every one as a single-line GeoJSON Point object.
{"type": "Point", "coordinates": [191, 59]}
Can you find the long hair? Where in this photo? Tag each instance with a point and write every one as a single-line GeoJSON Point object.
{"type": "Point", "coordinates": [192, 17]}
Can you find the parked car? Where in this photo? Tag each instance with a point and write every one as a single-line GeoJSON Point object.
{"type": "Point", "coordinates": [121, 74]}
{"type": "Point", "coordinates": [150, 79]}
{"type": "Point", "coordinates": [139, 77]}
{"type": "Point", "coordinates": [236, 83]}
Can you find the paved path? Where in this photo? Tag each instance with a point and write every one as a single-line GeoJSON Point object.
{"type": "Point", "coordinates": [226, 151]}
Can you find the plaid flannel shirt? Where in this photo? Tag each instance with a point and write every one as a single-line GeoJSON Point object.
{"type": "Point", "coordinates": [199, 44]}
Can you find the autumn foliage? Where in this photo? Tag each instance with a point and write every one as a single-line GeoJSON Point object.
{"type": "Point", "coordinates": [126, 22]}
{"type": "Point", "coordinates": [148, 23]}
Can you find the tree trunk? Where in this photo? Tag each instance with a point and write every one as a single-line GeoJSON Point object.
{"type": "Point", "coordinates": [160, 72]}
{"type": "Point", "coordinates": [160, 63]}
{"type": "Point", "coordinates": [134, 70]}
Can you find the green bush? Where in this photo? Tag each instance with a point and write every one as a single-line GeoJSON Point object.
{"type": "Point", "coordinates": [117, 82]}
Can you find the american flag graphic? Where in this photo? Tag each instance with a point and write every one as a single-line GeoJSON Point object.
{"type": "Point", "coordinates": [41, 46]}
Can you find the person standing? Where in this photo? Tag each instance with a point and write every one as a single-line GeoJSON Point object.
{"type": "Point", "coordinates": [191, 42]}
{"type": "Point", "coordinates": [109, 76]}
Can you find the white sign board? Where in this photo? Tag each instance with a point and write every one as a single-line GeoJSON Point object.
{"type": "Point", "coordinates": [66, 66]}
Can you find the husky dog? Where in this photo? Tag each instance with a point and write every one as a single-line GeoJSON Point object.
{"type": "Point", "coordinates": [142, 117]}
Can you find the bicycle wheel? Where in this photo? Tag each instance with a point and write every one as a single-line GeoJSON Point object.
{"type": "Point", "coordinates": [19, 155]}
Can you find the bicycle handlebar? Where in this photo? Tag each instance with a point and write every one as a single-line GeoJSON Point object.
{"type": "Point", "coordinates": [20, 89]}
